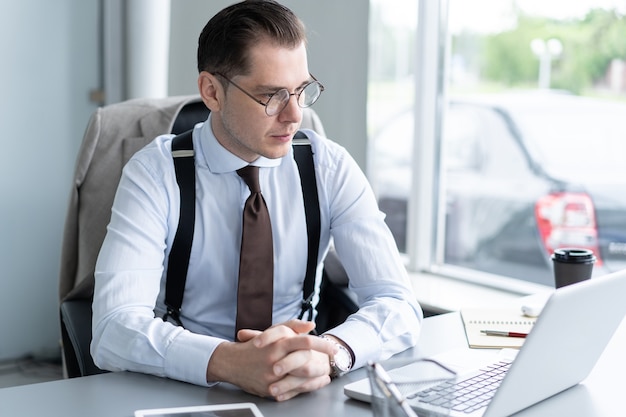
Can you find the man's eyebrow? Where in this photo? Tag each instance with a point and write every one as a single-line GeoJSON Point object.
{"type": "Point", "coordinates": [269, 87]}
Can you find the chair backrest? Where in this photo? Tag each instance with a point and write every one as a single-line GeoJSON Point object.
{"type": "Point", "coordinates": [113, 135]}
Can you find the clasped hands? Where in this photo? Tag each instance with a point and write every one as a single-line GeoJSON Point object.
{"type": "Point", "coordinates": [280, 362]}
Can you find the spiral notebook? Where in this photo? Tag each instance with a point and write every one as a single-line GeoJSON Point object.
{"type": "Point", "coordinates": [477, 320]}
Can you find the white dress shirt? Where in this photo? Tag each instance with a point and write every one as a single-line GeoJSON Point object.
{"type": "Point", "coordinates": [128, 332]}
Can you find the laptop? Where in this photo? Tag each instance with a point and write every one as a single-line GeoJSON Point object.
{"type": "Point", "coordinates": [564, 345]}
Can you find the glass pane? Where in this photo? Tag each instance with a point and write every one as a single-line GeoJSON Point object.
{"type": "Point", "coordinates": [533, 138]}
{"type": "Point", "coordinates": [390, 107]}
{"type": "Point", "coordinates": [545, 165]}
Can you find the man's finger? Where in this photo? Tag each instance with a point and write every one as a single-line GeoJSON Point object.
{"type": "Point", "coordinates": [291, 386]}
{"type": "Point", "coordinates": [290, 328]}
{"type": "Point", "coordinates": [244, 335]}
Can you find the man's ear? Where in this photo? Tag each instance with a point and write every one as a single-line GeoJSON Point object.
{"type": "Point", "coordinates": [211, 91]}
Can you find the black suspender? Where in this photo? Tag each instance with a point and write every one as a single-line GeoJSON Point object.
{"type": "Point", "coordinates": [303, 155]}
{"type": "Point", "coordinates": [178, 261]}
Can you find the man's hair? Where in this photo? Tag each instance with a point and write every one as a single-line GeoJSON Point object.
{"type": "Point", "coordinates": [225, 41]}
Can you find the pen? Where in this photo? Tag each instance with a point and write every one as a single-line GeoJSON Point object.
{"type": "Point", "coordinates": [503, 333]}
{"type": "Point", "coordinates": [390, 390]}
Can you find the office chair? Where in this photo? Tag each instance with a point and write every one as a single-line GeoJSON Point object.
{"type": "Point", "coordinates": [113, 135]}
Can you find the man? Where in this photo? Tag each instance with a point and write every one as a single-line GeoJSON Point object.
{"type": "Point", "coordinates": [254, 78]}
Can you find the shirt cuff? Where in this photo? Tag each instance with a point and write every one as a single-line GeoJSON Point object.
{"type": "Point", "coordinates": [362, 340]}
{"type": "Point", "coordinates": [188, 357]}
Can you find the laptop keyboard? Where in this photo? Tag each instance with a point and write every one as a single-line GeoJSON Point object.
{"type": "Point", "coordinates": [468, 395]}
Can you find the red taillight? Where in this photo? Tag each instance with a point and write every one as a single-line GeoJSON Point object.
{"type": "Point", "coordinates": [567, 220]}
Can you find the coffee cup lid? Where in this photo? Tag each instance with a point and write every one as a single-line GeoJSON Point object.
{"type": "Point", "coordinates": [573, 255]}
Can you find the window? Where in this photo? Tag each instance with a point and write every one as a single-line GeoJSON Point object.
{"type": "Point", "coordinates": [518, 145]}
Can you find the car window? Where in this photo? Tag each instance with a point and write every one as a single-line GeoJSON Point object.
{"type": "Point", "coordinates": [462, 147]}
{"type": "Point", "coordinates": [588, 137]}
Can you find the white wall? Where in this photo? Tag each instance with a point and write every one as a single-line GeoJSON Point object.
{"type": "Point", "coordinates": [49, 59]}
{"type": "Point", "coordinates": [50, 62]}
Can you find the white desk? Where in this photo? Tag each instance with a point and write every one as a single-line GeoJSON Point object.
{"type": "Point", "coordinates": [119, 394]}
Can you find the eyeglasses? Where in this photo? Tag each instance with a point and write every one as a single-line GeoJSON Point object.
{"type": "Point", "coordinates": [277, 101]}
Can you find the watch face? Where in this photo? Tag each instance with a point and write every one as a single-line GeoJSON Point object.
{"type": "Point", "coordinates": [343, 361]}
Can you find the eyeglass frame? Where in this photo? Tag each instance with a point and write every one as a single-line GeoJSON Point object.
{"type": "Point", "coordinates": [315, 81]}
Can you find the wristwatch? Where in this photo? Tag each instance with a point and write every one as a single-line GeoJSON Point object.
{"type": "Point", "coordinates": [341, 362]}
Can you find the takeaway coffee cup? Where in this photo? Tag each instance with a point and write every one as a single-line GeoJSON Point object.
{"type": "Point", "coordinates": [572, 265]}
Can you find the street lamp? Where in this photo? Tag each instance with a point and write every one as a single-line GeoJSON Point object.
{"type": "Point", "coordinates": [546, 52]}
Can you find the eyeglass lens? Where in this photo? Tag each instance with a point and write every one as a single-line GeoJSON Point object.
{"type": "Point", "coordinates": [309, 95]}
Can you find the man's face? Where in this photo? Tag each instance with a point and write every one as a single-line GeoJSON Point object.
{"type": "Point", "coordinates": [241, 124]}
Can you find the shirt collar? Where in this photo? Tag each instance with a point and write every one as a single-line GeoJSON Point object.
{"type": "Point", "coordinates": [219, 159]}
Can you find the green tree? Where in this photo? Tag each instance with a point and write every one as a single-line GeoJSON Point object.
{"type": "Point", "coordinates": [589, 45]}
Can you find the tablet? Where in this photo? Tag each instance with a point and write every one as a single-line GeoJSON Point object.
{"type": "Point", "coordinates": [217, 410]}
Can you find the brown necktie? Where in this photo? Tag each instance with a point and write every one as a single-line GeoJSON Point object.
{"type": "Point", "coordinates": [256, 265]}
